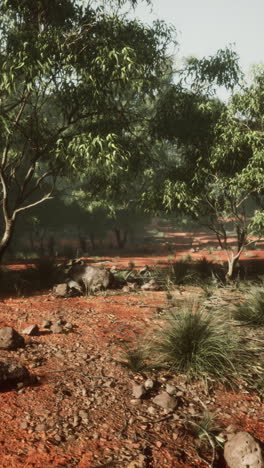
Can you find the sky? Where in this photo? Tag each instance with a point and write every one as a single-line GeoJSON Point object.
{"type": "Point", "coordinates": [204, 26]}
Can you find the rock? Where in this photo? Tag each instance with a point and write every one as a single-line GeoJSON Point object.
{"type": "Point", "coordinates": [90, 278]}
{"type": "Point", "coordinates": [148, 384]}
{"type": "Point", "coordinates": [40, 428]}
{"type": "Point", "coordinates": [74, 288]}
{"type": "Point", "coordinates": [152, 285]}
{"type": "Point", "coordinates": [165, 401]}
{"type": "Point", "coordinates": [56, 328]}
{"type": "Point", "coordinates": [170, 389]}
{"type": "Point", "coordinates": [12, 373]}
{"type": "Point", "coordinates": [68, 326]}
{"type": "Point", "coordinates": [135, 402]}
{"type": "Point", "coordinates": [138, 390]}
{"type": "Point", "coordinates": [11, 339]}
{"type": "Point", "coordinates": [242, 451]}
{"type": "Point", "coordinates": [46, 324]}
{"type": "Point", "coordinates": [32, 330]}
{"type": "Point", "coordinates": [60, 290]}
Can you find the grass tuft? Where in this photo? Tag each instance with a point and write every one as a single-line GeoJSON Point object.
{"type": "Point", "coordinates": [252, 310]}
{"type": "Point", "coordinates": [194, 343]}
{"type": "Point", "coordinates": [135, 359]}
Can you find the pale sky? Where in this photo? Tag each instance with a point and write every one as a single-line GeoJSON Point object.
{"type": "Point", "coordinates": [204, 26]}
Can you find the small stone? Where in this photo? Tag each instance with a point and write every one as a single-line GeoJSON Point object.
{"type": "Point", "coordinates": [135, 402]}
{"type": "Point", "coordinates": [40, 428]}
{"type": "Point", "coordinates": [148, 384]}
{"type": "Point", "coordinates": [170, 389]}
{"type": "Point", "coordinates": [56, 328]}
{"type": "Point", "coordinates": [32, 330]}
{"type": "Point", "coordinates": [164, 400]}
{"type": "Point", "coordinates": [24, 425]}
{"type": "Point", "coordinates": [46, 324]}
{"type": "Point", "coordinates": [151, 410]}
{"type": "Point", "coordinates": [68, 326]}
{"type": "Point", "coordinates": [138, 390]}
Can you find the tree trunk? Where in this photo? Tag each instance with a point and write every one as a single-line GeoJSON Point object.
{"type": "Point", "coordinates": [121, 240]}
{"type": "Point", "coordinates": [6, 238]}
{"type": "Point", "coordinates": [232, 262]}
{"type": "Point", "coordinates": [92, 240]}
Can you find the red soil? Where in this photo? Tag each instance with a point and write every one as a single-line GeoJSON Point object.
{"type": "Point", "coordinates": [118, 432]}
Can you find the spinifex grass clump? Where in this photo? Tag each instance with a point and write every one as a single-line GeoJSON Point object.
{"type": "Point", "coordinates": [195, 343]}
{"type": "Point", "coordinates": [252, 310]}
{"type": "Point", "coordinates": [135, 358]}
{"type": "Point", "coordinates": [204, 268]}
{"type": "Point", "coordinates": [206, 428]}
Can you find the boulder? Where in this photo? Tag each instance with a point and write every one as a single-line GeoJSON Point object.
{"type": "Point", "coordinates": [90, 278]}
{"type": "Point", "coordinates": [11, 373]}
{"type": "Point", "coordinates": [243, 451]}
{"type": "Point", "coordinates": [11, 339]}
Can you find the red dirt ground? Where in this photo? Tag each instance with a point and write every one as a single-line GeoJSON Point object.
{"type": "Point", "coordinates": [40, 424]}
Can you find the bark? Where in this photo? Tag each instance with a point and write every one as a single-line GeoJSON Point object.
{"type": "Point", "coordinates": [232, 262]}
{"type": "Point", "coordinates": [7, 237]}
{"type": "Point", "coordinates": [120, 239]}
{"type": "Point", "coordinates": [92, 240]}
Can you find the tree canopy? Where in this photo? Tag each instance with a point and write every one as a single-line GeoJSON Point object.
{"type": "Point", "coordinates": [70, 78]}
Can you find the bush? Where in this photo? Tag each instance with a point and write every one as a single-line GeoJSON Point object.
{"type": "Point", "coordinates": [252, 311]}
{"type": "Point", "coordinates": [204, 268]}
{"type": "Point", "coordinates": [194, 343]}
{"type": "Point", "coordinates": [177, 273]}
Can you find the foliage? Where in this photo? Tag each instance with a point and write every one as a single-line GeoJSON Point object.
{"type": "Point", "coordinates": [205, 428]}
{"type": "Point", "coordinates": [204, 268]}
{"type": "Point", "coordinates": [195, 343]}
{"type": "Point", "coordinates": [70, 78]}
{"type": "Point", "coordinates": [215, 173]}
{"type": "Point", "coordinates": [252, 310]}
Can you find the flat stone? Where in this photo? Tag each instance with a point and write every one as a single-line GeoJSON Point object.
{"type": "Point", "coordinates": [32, 330]}
{"type": "Point", "coordinates": [138, 390]}
{"type": "Point", "coordinates": [170, 389]}
{"type": "Point", "coordinates": [164, 400]}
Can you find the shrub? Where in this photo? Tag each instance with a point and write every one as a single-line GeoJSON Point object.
{"type": "Point", "coordinates": [177, 273]}
{"type": "Point", "coordinates": [252, 310]}
{"type": "Point", "coordinates": [204, 268]}
{"type": "Point", "coordinates": [193, 342]}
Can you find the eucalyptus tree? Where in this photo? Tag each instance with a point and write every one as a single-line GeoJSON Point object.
{"type": "Point", "coordinates": [68, 76]}
{"type": "Point", "coordinates": [216, 173]}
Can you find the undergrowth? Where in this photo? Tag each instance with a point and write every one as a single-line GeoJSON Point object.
{"type": "Point", "coordinates": [252, 310]}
